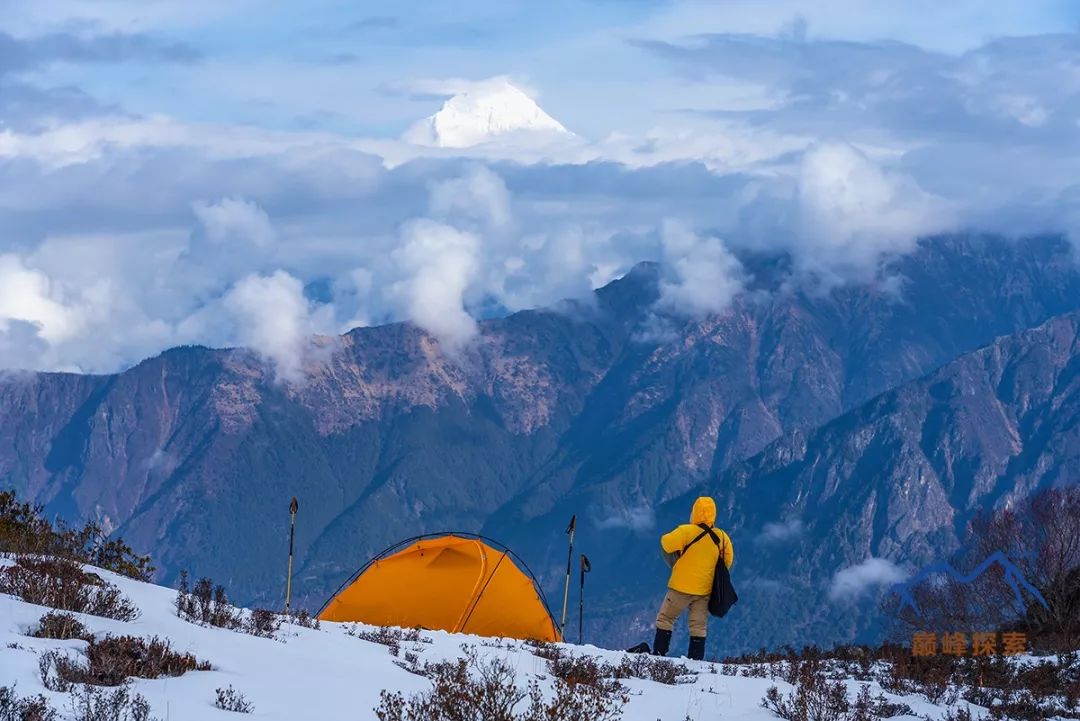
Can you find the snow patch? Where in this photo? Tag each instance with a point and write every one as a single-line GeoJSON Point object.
{"type": "Point", "coordinates": [333, 673]}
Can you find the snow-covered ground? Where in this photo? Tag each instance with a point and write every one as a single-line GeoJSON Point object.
{"type": "Point", "coordinates": [327, 674]}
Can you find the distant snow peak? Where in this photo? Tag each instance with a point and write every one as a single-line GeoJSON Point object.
{"type": "Point", "coordinates": [483, 113]}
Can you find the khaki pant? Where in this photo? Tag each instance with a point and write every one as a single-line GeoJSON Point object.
{"type": "Point", "coordinates": [675, 602]}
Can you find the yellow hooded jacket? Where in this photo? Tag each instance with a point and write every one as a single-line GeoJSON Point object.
{"type": "Point", "coordinates": [693, 572]}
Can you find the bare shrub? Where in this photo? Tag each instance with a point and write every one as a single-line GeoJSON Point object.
{"type": "Point", "coordinates": [960, 714]}
{"type": "Point", "coordinates": [816, 698]}
{"type": "Point", "coordinates": [304, 620]}
{"type": "Point", "coordinates": [113, 660]}
{"type": "Point", "coordinates": [545, 649]}
{"type": "Point", "coordinates": [573, 702]}
{"type": "Point", "coordinates": [822, 700]}
{"type": "Point", "coordinates": [229, 699]}
{"type": "Point", "coordinates": [261, 623]}
{"type": "Point", "coordinates": [62, 627]}
{"type": "Point", "coordinates": [90, 703]}
{"type": "Point", "coordinates": [49, 664]}
{"type": "Point", "coordinates": [389, 636]}
{"type": "Point", "coordinates": [27, 708]}
{"type": "Point", "coordinates": [590, 671]}
{"type": "Point", "coordinates": [651, 668]}
{"type": "Point", "coordinates": [580, 670]}
{"type": "Point", "coordinates": [206, 604]}
{"type": "Point", "coordinates": [470, 690]}
{"type": "Point", "coordinates": [63, 584]}
{"type": "Point", "coordinates": [462, 689]}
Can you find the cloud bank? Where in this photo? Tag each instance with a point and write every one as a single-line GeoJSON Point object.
{"type": "Point", "coordinates": [126, 230]}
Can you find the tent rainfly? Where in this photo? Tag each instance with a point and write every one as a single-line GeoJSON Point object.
{"type": "Point", "coordinates": [455, 582]}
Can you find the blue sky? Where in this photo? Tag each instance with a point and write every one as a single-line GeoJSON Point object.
{"type": "Point", "coordinates": [234, 172]}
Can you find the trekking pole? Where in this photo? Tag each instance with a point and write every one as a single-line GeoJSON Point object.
{"type": "Point", "coordinates": [585, 568]}
{"type": "Point", "coordinates": [569, 557]}
{"type": "Point", "coordinates": [293, 506]}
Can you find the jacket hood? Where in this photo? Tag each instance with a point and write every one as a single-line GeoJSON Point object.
{"type": "Point", "coordinates": [704, 511]}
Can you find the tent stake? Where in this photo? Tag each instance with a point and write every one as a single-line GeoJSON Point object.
{"type": "Point", "coordinates": [569, 557]}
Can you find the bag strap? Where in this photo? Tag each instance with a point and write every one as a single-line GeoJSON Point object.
{"type": "Point", "coordinates": [699, 537]}
{"type": "Point", "coordinates": [705, 531]}
{"type": "Point", "coordinates": [712, 535]}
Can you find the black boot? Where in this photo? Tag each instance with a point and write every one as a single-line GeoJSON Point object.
{"type": "Point", "coordinates": [697, 648]}
{"type": "Point", "coordinates": [661, 643]}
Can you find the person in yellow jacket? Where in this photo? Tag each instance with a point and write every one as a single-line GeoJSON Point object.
{"type": "Point", "coordinates": [691, 577]}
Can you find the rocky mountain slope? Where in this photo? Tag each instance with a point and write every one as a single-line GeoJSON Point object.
{"type": "Point", "coordinates": [896, 478]}
{"type": "Point", "coordinates": [580, 409]}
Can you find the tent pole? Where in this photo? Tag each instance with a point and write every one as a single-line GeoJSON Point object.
{"type": "Point", "coordinates": [569, 557]}
{"type": "Point", "coordinates": [293, 507]}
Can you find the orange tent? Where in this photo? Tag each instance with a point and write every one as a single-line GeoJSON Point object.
{"type": "Point", "coordinates": [453, 582]}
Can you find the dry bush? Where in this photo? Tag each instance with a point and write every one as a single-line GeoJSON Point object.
{"type": "Point", "coordinates": [471, 690]}
{"type": "Point", "coordinates": [61, 626]}
{"type": "Point", "coordinates": [24, 531]}
{"type": "Point", "coordinates": [49, 665]}
{"type": "Point", "coordinates": [575, 703]}
{"type": "Point", "coordinates": [580, 669]}
{"type": "Point", "coordinates": [113, 660]}
{"type": "Point", "coordinates": [465, 690]}
{"type": "Point", "coordinates": [229, 699]}
{"type": "Point", "coordinates": [206, 604]}
{"type": "Point", "coordinates": [757, 670]}
{"type": "Point", "coordinates": [389, 636]}
{"type": "Point", "coordinates": [817, 698]}
{"type": "Point", "coordinates": [304, 620]}
{"type": "Point", "coordinates": [960, 714]}
{"type": "Point", "coordinates": [62, 584]}
{"type": "Point", "coordinates": [651, 668]}
{"type": "Point", "coordinates": [90, 703]}
{"type": "Point", "coordinates": [544, 649]}
{"type": "Point", "coordinates": [587, 670]}
{"type": "Point", "coordinates": [262, 623]}
{"type": "Point", "coordinates": [27, 708]}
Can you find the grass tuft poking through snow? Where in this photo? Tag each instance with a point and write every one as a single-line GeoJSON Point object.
{"type": "Point", "coordinates": [229, 699]}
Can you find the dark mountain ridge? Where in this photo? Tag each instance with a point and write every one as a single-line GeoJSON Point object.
{"type": "Point", "coordinates": [193, 455]}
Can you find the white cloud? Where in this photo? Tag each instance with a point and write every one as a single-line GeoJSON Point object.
{"type": "Point", "coordinates": [781, 531]}
{"type": "Point", "coordinates": [704, 275]}
{"type": "Point", "coordinates": [439, 263]}
{"type": "Point", "coordinates": [123, 233]}
{"type": "Point", "coordinates": [478, 194]}
{"type": "Point", "coordinates": [28, 295]}
{"type": "Point", "coordinates": [274, 319]}
{"type": "Point", "coordinates": [851, 212]}
{"type": "Point", "coordinates": [850, 583]}
{"type": "Point", "coordinates": [638, 518]}
{"type": "Point", "coordinates": [235, 220]}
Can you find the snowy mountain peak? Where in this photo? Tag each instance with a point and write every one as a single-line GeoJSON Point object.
{"type": "Point", "coordinates": [483, 113]}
